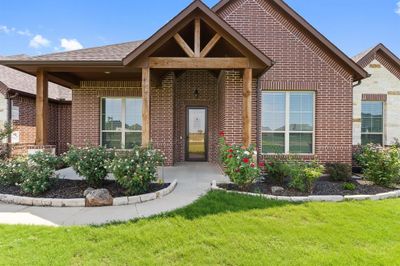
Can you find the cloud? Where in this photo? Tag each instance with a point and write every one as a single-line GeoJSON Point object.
{"type": "Point", "coordinates": [6, 29]}
{"type": "Point", "coordinates": [398, 8]}
{"type": "Point", "coordinates": [24, 33]}
{"type": "Point", "coordinates": [70, 44]}
{"type": "Point", "coordinates": [39, 41]}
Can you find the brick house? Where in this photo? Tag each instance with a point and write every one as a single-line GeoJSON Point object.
{"type": "Point", "coordinates": [377, 99]}
{"type": "Point", "coordinates": [17, 105]}
{"type": "Point", "coordinates": [254, 69]}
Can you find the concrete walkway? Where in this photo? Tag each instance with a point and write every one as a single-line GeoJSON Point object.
{"type": "Point", "coordinates": [194, 180]}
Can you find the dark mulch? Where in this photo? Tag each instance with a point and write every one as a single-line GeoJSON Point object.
{"type": "Point", "coordinates": [69, 189]}
{"type": "Point", "coordinates": [322, 187]}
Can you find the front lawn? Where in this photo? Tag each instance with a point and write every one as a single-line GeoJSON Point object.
{"type": "Point", "coordinates": [222, 228]}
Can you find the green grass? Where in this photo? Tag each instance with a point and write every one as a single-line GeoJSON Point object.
{"type": "Point", "coordinates": [225, 229]}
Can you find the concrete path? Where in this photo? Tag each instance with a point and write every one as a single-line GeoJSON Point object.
{"type": "Point", "coordinates": [193, 181]}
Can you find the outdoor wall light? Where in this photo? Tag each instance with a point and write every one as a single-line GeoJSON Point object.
{"type": "Point", "coordinates": [196, 93]}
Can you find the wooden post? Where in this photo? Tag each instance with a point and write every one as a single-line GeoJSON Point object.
{"type": "Point", "coordinates": [247, 92]}
{"type": "Point", "coordinates": [42, 107]}
{"type": "Point", "coordinates": [146, 107]}
{"type": "Point", "coordinates": [197, 37]}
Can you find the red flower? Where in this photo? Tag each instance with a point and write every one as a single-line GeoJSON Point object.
{"type": "Point", "coordinates": [230, 156]}
{"type": "Point", "coordinates": [221, 133]}
{"type": "Point", "coordinates": [253, 165]}
{"type": "Point", "coordinates": [246, 160]}
{"type": "Point", "coordinates": [230, 150]}
{"type": "Point", "coordinates": [261, 164]}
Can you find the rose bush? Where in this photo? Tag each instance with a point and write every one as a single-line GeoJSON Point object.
{"type": "Point", "coordinates": [89, 162]}
{"type": "Point", "coordinates": [135, 170]}
{"type": "Point", "coordinates": [239, 162]}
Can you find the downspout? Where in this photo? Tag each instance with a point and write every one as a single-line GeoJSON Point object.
{"type": "Point", "coordinates": [357, 84]}
{"type": "Point", "coordinates": [9, 98]}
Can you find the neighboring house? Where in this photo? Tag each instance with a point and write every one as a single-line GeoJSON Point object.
{"type": "Point", "coordinates": [254, 69]}
{"type": "Point", "coordinates": [377, 99]}
{"type": "Point", "coordinates": [17, 105]}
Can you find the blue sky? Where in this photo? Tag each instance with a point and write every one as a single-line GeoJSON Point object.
{"type": "Point", "coordinates": [37, 27]}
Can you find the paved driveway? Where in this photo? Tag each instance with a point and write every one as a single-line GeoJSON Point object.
{"type": "Point", "coordinates": [193, 181]}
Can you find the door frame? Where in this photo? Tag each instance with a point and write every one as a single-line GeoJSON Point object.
{"type": "Point", "coordinates": [187, 134]}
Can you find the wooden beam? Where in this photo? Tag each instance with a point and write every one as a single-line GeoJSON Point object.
{"type": "Point", "coordinates": [185, 47]}
{"type": "Point", "coordinates": [197, 37]}
{"type": "Point", "coordinates": [247, 92]}
{"type": "Point", "coordinates": [198, 63]}
{"type": "Point", "coordinates": [210, 45]}
{"type": "Point", "coordinates": [42, 107]}
{"type": "Point", "coordinates": [145, 107]}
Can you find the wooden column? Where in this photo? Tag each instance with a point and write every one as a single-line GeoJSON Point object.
{"type": "Point", "coordinates": [42, 107]}
{"type": "Point", "coordinates": [247, 92]}
{"type": "Point", "coordinates": [197, 37]}
{"type": "Point", "coordinates": [146, 107]}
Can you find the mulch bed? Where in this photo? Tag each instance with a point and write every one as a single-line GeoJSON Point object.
{"type": "Point", "coordinates": [70, 189]}
{"type": "Point", "coordinates": [322, 187]}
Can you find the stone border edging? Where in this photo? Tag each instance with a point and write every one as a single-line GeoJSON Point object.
{"type": "Point", "coordinates": [49, 202]}
{"type": "Point", "coordinates": [316, 198]}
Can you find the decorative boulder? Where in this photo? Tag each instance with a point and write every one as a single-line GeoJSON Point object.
{"type": "Point", "coordinates": [277, 189]}
{"type": "Point", "coordinates": [87, 191]}
{"type": "Point", "coordinates": [99, 197]}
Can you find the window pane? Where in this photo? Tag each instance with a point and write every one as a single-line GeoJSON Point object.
{"type": "Point", "coordinates": [371, 138]}
{"type": "Point", "coordinates": [111, 114]}
{"type": "Point", "coordinates": [133, 114]}
{"type": "Point", "coordinates": [133, 139]}
{"type": "Point", "coordinates": [112, 140]}
{"type": "Point", "coordinates": [273, 111]}
{"type": "Point", "coordinates": [273, 143]}
{"type": "Point", "coordinates": [372, 117]}
{"type": "Point", "coordinates": [300, 143]}
{"type": "Point", "coordinates": [301, 111]}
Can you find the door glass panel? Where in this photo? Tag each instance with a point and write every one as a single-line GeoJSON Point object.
{"type": "Point", "coordinates": [196, 139]}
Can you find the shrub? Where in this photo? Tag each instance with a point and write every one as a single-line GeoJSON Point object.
{"type": "Point", "coordinates": [277, 170]}
{"type": "Point", "coordinates": [11, 171]}
{"type": "Point", "coordinates": [303, 175]}
{"type": "Point", "coordinates": [136, 169]}
{"type": "Point", "coordinates": [35, 179]}
{"type": "Point", "coordinates": [349, 186]}
{"type": "Point", "coordinates": [239, 163]}
{"type": "Point", "coordinates": [380, 165]}
{"type": "Point", "coordinates": [45, 159]}
{"type": "Point", "coordinates": [339, 171]}
{"type": "Point", "coordinates": [89, 162]}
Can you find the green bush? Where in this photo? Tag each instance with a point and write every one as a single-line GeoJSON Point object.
{"type": "Point", "coordinates": [303, 175]}
{"type": "Point", "coordinates": [239, 163]}
{"type": "Point", "coordinates": [45, 159]}
{"type": "Point", "coordinates": [277, 170]}
{"type": "Point", "coordinates": [339, 171]}
{"type": "Point", "coordinates": [89, 162]}
{"type": "Point", "coordinates": [11, 171]}
{"type": "Point", "coordinates": [349, 186]}
{"type": "Point", "coordinates": [136, 169]}
{"type": "Point", "coordinates": [35, 179]}
{"type": "Point", "coordinates": [380, 165]}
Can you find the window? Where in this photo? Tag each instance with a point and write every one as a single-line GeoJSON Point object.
{"type": "Point", "coordinates": [372, 122]}
{"type": "Point", "coordinates": [121, 122]}
{"type": "Point", "coordinates": [288, 122]}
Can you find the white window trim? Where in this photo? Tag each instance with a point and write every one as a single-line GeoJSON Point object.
{"type": "Point", "coordinates": [287, 125]}
{"type": "Point", "coordinates": [383, 133]}
{"type": "Point", "coordinates": [123, 130]}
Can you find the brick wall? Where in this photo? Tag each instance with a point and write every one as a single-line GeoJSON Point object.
{"type": "Point", "coordinates": [299, 60]}
{"type": "Point", "coordinates": [206, 84]}
{"type": "Point", "coordinates": [59, 125]}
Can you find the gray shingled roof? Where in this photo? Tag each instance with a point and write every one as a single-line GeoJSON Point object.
{"type": "Point", "coordinates": [23, 82]}
{"type": "Point", "coordinates": [114, 52]}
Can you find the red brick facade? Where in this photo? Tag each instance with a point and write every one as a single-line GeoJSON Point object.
{"type": "Point", "coordinates": [59, 125]}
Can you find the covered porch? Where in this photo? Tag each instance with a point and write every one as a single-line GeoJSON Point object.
{"type": "Point", "coordinates": [195, 77]}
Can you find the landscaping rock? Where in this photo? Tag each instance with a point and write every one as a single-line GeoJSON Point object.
{"type": "Point", "coordinates": [99, 197]}
{"type": "Point", "coordinates": [277, 189]}
{"type": "Point", "coordinates": [87, 191]}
